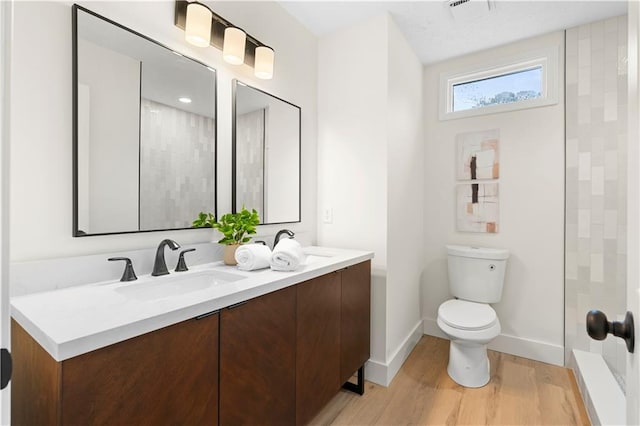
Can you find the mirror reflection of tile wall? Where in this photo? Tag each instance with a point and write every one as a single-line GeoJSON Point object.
{"type": "Point", "coordinates": [176, 176]}
{"type": "Point", "coordinates": [250, 149]}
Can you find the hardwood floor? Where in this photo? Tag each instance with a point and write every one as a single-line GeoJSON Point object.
{"type": "Point", "coordinates": [521, 392]}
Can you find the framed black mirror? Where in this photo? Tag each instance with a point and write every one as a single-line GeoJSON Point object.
{"type": "Point", "coordinates": [266, 155]}
{"type": "Point", "coordinates": [144, 140]}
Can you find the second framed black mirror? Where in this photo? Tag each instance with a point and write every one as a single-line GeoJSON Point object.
{"type": "Point", "coordinates": [266, 151]}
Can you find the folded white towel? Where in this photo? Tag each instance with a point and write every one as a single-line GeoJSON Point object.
{"type": "Point", "coordinates": [287, 255]}
{"type": "Point", "coordinates": [252, 256]}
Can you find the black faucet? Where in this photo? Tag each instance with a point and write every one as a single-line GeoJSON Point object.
{"type": "Point", "coordinates": [160, 266]}
{"type": "Point", "coordinates": [128, 274]}
{"type": "Point", "coordinates": [279, 235]}
{"type": "Point", "coordinates": [182, 265]}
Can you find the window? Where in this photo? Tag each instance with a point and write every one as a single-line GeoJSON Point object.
{"type": "Point", "coordinates": [502, 89]}
{"type": "Point", "coordinates": [526, 81]}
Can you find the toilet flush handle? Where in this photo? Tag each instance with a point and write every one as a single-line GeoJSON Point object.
{"type": "Point", "coordinates": [598, 327]}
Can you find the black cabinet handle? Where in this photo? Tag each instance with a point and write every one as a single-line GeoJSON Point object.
{"type": "Point", "coordinates": [237, 304]}
{"type": "Point", "coordinates": [208, 314]}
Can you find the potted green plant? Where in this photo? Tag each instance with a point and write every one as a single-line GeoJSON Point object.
{"type": "Point", "coordinates": [235, 229]}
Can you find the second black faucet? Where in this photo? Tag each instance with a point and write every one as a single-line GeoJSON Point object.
{"type": "Point", "coordinates": [280, 234]}
{"type": "Point", "coordinates": [160, 266]}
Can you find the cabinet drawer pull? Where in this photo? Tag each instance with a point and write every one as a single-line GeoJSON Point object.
{"type": "Point", "coordinates": [237, 304]}
{"type": "Point", "coordinates": [208, 314]}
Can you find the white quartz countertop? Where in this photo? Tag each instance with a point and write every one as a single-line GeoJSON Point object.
{"type": "Point", "coordinates": [80, 319]}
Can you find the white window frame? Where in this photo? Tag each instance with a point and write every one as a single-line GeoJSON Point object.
{"type": "Point", "coordinates": [547, 59]}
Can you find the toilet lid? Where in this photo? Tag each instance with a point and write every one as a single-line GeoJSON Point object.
{"type": "Point", "coordinates": [466, 315]}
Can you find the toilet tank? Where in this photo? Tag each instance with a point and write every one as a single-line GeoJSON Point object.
{"type": "Point", "coordinates": [476, 273]}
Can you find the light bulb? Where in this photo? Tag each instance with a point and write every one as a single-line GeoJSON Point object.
{"type": "Point", "coordinates": [198, 25]}
{"type": "Point", "coordinates": [264, 62]}
{"type": "Point", "coordinates": [233, 46]}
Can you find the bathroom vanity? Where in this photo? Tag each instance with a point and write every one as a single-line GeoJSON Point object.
{"type": "Point", "coordinates": [236, 347]}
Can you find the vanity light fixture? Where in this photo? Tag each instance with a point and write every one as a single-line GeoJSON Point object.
{"type": "Point", "coordinates": [198, 24]}
{"type": "Point", "coordinates": [233, 46]}
{"type": "Point", "coordinates": [185, 100]}
{"type": "Point", "coordinates": [264, 62]}
{"type": "Point", "coordinates": [237, 46]}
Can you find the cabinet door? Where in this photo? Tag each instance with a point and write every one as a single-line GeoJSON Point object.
{"type": "Point", "coordinates": [257, 360]}
{"type": "Point", "coordinates": [165, 377]}
{"type": "Point", "coordinates": [35, 382]}
{"type": "Point", "coordinates": [356, 318]}
{"type": "Point", "coordinates": [318, 345]}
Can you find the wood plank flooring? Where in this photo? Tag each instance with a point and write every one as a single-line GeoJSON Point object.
{"type": "Point", "coordinates": [521, 392]}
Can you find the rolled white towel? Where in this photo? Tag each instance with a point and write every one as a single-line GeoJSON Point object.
{"type": "Point", "coordinates": [287, 255]}
{"type": "Point", "coordinates": [252, 256]}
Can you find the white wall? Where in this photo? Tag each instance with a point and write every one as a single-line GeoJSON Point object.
{"type": "Point", "coordinates": [405, 203]}
{"type": "Point", "coordinates": [352, 153]}
{"type": "Point", "coordinates": [41, 193]}
{"type": "Point", "coordinates": [531, 209]}
{"type": "Point", "coordinates": [369, 163]}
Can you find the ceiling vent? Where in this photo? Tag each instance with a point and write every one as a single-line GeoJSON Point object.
{"type": "Point", "coordinates": [469, 10]}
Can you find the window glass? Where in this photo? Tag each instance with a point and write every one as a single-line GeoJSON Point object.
{"type": "Point", "coordinates": [501, 89]}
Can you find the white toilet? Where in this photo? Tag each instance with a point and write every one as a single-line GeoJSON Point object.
{"type": "Point", "coordinates": [476, 276]}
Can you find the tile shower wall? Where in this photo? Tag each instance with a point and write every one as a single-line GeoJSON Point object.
{"type": "Point", "coordinates": [176, 176]}
{"type": "Point", "coordinates": [250, 146]}
{"type": "Point", "coordinates": [596, 179]}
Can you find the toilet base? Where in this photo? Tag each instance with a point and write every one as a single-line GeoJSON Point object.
{"type": "Point", "coordinates": [468, 364]}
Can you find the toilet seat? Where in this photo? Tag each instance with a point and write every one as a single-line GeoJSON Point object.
{"type": "Point", "coordinates": [465, 315]}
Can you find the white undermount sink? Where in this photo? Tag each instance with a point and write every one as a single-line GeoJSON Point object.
{"type": "Point", "coordinates": [153, 288]}
{"type": "Point", "coordinates": [311, 258]}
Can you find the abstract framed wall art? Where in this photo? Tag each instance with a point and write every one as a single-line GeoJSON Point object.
{"type": "Point", "coordinates": [477, 206]}
{"type": "Point", "coordinates": [477, 155]}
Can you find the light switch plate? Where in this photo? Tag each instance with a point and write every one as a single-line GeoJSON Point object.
{"type": "Point", "coordinates": [327, 215]}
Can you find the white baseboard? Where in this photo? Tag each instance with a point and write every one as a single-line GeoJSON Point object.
{"type": "Point", "coordinates": [383, 373]}
{"type": "Point", "coordinates": [376, 372]}
{"type": "Point", "coordinates": [526, 348]}
{"type": "Point", "coordinates": [403, 351]}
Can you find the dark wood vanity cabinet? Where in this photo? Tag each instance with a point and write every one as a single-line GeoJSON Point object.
{"type": "Point", "coordinates": [355, 323]}
{"type": "Point", "coordinates": [275, 359]}
{"type": "Point", "coordinates": [257, 360]}
{"type": "Point", "coordinates": [317, 344]}
{"type": "Point", "coordinates": [166, 377]}
{"type": "Point", "coordinates": [333, 335]}
{"type": "Point", "coordinates": [285, 355]}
